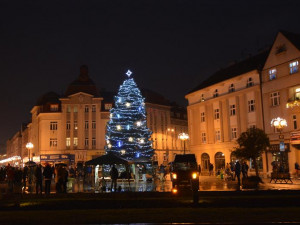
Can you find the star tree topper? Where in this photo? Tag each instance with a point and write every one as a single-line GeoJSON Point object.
{"type": "Point", "coordinates": [128, 73]}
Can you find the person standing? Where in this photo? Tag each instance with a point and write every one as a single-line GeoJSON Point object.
{"type": "Point", "coordinates": [65, 179]}
{"type": "Point", "coordinates": [114, 176]}
{"type": "Point", "coordinates": [144, 173]}
{"type": "Point", "coordinates": [24, 177]}
{"type": "Point", "coordinates": [297, 168]}
{"type": "Point", "coordinates": [211, 169]}
{"type": "Point", "coordinates": [38, 179]}
{"type": "Point", "coordinates": [237, 170]}
{"type": "Point", "coordinates": [48, 177]}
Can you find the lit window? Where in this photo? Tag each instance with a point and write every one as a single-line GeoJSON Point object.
{"type": "Point", "coordinates": [75, 141]}
{"type": "Point", "coordinates": [275, 98]}
{"type": "Point", "coordinates": [218, 135]}
{"type": "Point", "coordinates": [217, 114]}
{"type": "Point", "coordinates": [297, 95]}
{"type": "Point", "coordinates": [75, 125]}
{"type": "Point", "coordinates": [294, 67]}
{"type": "Point", "coordinates": [93, 124]}
{"type": "Point", "coordinates": [68, 142]}
{"type": "Point", "coordinates": [203, 137]}
{"type": "Point", "coordinates": [272, 74]}
{"type": "Point", "coordinates": [202, 116]}
{"type": "Point", "coordinates": [202, 98]}
{"type": "Point", "coordinates": [250, 82]}
{"type": "Point", "coordinates": [93, 108]}
{"type": "Point", "coordinates": [295, 122]}
{"type": "Point", "coordinates": [75, 109]}
{"type": "Point", "coordinates": [86, 108]}
{"type": "Point", "coordinates": [68, 125]}
{"type": "Point", "coordinates": [53, 142]}
{"type": "Point", "coordinates": [232, 110]}
{"type": "Point", "coordinates": [86, 142]}
{"type": "Point", "coordinates": [53, 125]}
{"type": "Point", "coordinates": [107, 106]}
{"type": "Point", "coordinates": [216, 94]}
{"type": "Point", "coordinates": [231, 88]}
{"type": "Point", "coordinates": [233, 133]}
{"type": "Point", "coordinates": [54, 108]}
{"type": "Point", "coordinates": [86, 125]}
{"type": "Point", "coordinates": [94, 141]}
{"type": "Point", "coordinates": [251, 106]}
{"type": "Point", "coordinates": [68, 109]}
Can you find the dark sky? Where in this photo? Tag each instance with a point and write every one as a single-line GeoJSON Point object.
{"type": "Point", "coordinates": [171, 46]}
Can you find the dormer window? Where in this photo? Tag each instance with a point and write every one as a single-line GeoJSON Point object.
{"type": "Point", "coordinates": [294, 68]}
{"type": "Point", "coordinates": [250, 82]}
{"type": "Point", "coordinates": [202, 98]}
{"type": "Point", "coordinates": [216, 94]}
{"type": "Point", "coordinates": [272, 74]}
{"type": "Point", "coordinates": [54, 107]}
{"type": "Point", "coordinates": [231, 88]}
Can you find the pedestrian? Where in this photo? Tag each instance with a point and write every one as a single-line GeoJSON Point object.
{"type": "Point", "coordinates": [245, 168]}
{"type": "Point", "coordinates": [297, 168]}
{"type": "Point", "coordinates": [114, 176]}
{"type": "Point", "coordinates": [18, 180]}
{"type": "Point", "coordinates": [211, 169]}
{"type": "Point", "coordinates": [144, 171]}
{"type": "Point", "coordinates": [65, 176]}
{"type": "Point", "coordinates": [38, 179]}
{"type": "Point", "coordinates": [237, 170]}
{"type": "Point", "coordinates": [48, 177]}
{"type": "Point", "coordinates": [162, 172]}
{"type": "Point", "coordinates": [199, 169]}
{"type": "Point", "coordinates": [10, 178]}
{"type": "Point", "coordinates": [24, 177]}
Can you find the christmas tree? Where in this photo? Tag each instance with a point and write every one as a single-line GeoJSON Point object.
{"type": "Point", "coordinates": [127, 134]}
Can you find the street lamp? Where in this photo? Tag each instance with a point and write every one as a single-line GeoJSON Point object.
{"type": "Point", "coordinates": [29, 146]}
{"type": "Point", "coordinates": [279, 124]}
{"type": "Point", "coordinates": [183, 137]}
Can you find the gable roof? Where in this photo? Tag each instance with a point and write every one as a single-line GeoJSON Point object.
{"type": "Point", "coordinates": [247, 65]}
{"type": "Point", "coordinates": [292, 37]}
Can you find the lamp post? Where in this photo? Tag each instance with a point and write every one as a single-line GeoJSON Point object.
{"type": "Point", "coordinates": [29, 146]}
{"type": "Point", "coordinates": [183, 137]}
{"type": "Point", "coordinates": [279, 124]}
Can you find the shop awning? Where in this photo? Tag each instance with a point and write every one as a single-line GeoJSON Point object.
{"type": "Point", "coordinates": [107, 159]}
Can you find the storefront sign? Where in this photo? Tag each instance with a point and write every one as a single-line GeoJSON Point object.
{"type": "Point", "coordinates": [295, 138]}
{"type": "Point", "coordinates": [279, 147]}
{"type": "Point", "coordinates": [57, 158]}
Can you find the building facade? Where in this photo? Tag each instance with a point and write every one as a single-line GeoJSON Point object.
{"type": "Point", "coordinates": [71, 128]}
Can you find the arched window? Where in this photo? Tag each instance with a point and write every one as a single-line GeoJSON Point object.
{"type": "Point", "coordinates": [216, 94]}
{"type": "Point", "coordinates": [250, 82]}
{"type": "Point", "coordinates": [205, 161]}
{"type": "Point", "coordinates": [231, 88]}
{"type": "Point", "coordinates": [219, 161]}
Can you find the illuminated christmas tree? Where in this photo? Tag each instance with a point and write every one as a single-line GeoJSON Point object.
{"type": "Point", "coordinates": [127, 134]}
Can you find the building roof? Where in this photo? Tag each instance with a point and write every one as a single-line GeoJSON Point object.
{"type": "Point", "coordinates": [48, 98]}
{"type": "Point", "coordinates": [247, 65]}
{"type": "Point", "coordinates": [292, 37]}
{"type": "Point", "coordinates": [83, 84]}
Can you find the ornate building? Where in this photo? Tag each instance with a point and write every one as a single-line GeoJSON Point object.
{"type": "Point", "coordinates": [71, 128]}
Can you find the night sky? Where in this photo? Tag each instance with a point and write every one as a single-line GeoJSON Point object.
{"type": "Point", "coordinates": [171, 46]}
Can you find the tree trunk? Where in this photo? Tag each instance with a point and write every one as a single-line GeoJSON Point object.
{"type": "Point", "coordinates": [256, 167]}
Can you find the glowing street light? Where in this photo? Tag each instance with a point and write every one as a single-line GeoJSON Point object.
{"type": "Point", "coordinates": [29, 146]}
{"type": "Point", "coordinates": [183, 137]}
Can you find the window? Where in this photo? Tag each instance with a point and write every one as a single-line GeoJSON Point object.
{"type": "Point", "coordinates": [86, 125]}
{"type": "Point", "coordinates": [75, 125]}
{"type": "Point", "coordinates": [68, 125]}
{"type": "Point", "coordinates": [218, 135]}
{"type": "Point", "coordinates": [251, 106]}
{"type": "Point", "coordinates": [217, 114]}
{"type": "Point", "coordinates": [75, 109]}
{"type": "Point", "coordinates": [68, 142]}
{"type": "Point", "coordinates": [165, 158]}
{"type": "Point", "coordinates": [68, 109]}
{"type": "Point", "coordinates": [53, 142]}
{"type": "Point", "coordinates": [107, 106]}
{"type": "Point", "coordinates": [250, 82]}
{"type": "Point", "coordinates": [53, 125]}
{"type": "Point", "coordinates": [275, 99]}
{"type": "Point", "coordinates": [75, 141]}
{"type": "Point", "coordinates": [294, 67]}
{"type": "Point", "coordinates": [93, 124]}
{"type": "Point", "coordinates": [93, 108]}
{"type": "Point", "coordinates": [295, 122]}
{"type": "Point", "coordinates": [203, 137]}
{"type": "Point", "coordinates": [86, 108]}
{"type": "Point", "coordinates": [252, 126]}
{"type": "Point", "coordinates": [202, 116]}
{"type": "Point", "coordinates": [216, 94]}
{"type": "Point", "coordinates": [297, 95]}
{"type": "Point", "coordinates": [233, 133]}
{"type": "Point", "coordinates": [94, 141]}
{"type": "Point", "coordinates": [54, 107]}
{"type": "Point", "coordinates": [202, 98]}
{"type": "Point", "coordinates": [86, 142]}
{"type": "Point", "coordinates": [231, 88]}
{"type": "Point", "coordinates": [232, 110]}
{"type": "Point", "coordinates": [272, 74]}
